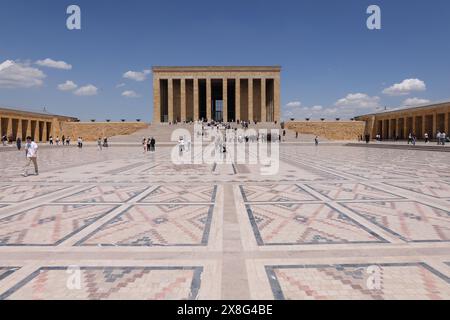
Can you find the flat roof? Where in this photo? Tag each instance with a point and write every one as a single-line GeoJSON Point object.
{"type": "Point", "coordinates": [34, 113]}
{"type": "Point", "coordinates": [216, 68]}
{"type": "Point", "coordinates": [408, 109]}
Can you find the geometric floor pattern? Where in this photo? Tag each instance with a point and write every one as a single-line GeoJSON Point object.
{"type": "Point", "coordinates": [98, 283]}
{"type": "Point", "coordinates": [288, 224]}
{"type": "Point", "coordinates": [158, 225]}
{"type": "Point", "coordinates": [350, 282]}
{"type": "Point", "coordinates": [48, 225]}
{"type": "Point", "coordinates": [410, 221]}
{"type": "Point", "coordinates": [120, 224]}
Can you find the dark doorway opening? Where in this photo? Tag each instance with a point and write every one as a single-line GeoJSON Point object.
{"type": "Point", "coordinates": [202, 98]}
{"type": "Point", "coordinates": [231, 100]}
{"type": "Point", "coordinates": [217, 100]}
{"type": "Point", "coordinates": [164, 99]}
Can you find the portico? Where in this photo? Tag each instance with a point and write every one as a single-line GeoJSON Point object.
{"type": "Point", "coordinates": [222, 94]}
{"type": "Point", "coordinates": [393, 124]}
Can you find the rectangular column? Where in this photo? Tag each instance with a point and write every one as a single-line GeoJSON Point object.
{"type": "Point", "coordinates": [183, 100]}
{"type": "Point", "coordinates": [405, 128]}
{"type": "Point", "coordinates": [44, 132]}
{"type": "Point", "coordinates": [208, 99]}
{"type": "Point", "coordinates": [19, 129]}
{"type": "Point", "coordinates": [28, 128]}
{"type": "Point", "coordinates": [397, 128]}
{"type": "Point", "coordinates": [225, 99]}
{"type": "Point", "coordinates": [36, 132]}
{"type": "Point", "coordinates": [156, 100]}
{"type": "Point", "coordinates": [238, 99]}
{"type": "Point", "coordinates": [263, 101]}
{"type": "Point", "coordinates": [170, 103]}
{"type": "Point", "coordinates": [446, 123]}
{"type": "Point", "coordinates": [196, 101]}
{"type": "Point", "coordinates": [434, 123]}
{"type": "Point", "coordinates": [250, 100]}
{"type": "Point", "coordinates": [424, 127]}
{"type": "Point", "coordinates": [9, 128]}
{"type": "Point", "coordinates": [276, 102]}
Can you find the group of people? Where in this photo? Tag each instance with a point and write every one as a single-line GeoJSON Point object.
{"type": "Point", "coordinates": [65, 141]}
{"type": "Point", "coordinates": [441, 138]}
{"type": "Point", "coordinates": [149, 144]}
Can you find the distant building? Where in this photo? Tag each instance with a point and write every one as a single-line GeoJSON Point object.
{"type": "Point", "coordinates": [40, 126]}
{"type": "Point", "coordinates": [222, 94]}
{"type": "Point", "coordinates": [401, 122]}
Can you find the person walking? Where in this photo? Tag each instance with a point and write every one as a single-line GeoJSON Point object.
{"type": "Point", "coordinates": [19, 143]}
{"type": "Point", "coordinates": [152, 144]}
{"type": "Point", "coordinates": [316, 140]}
{"type": "Point", "coordinates": [181, 144]}
{"type": "Point", "coordinates": [144, 144]}
{"type": "Point", "coordinates": [443, 138]}
{"type": "Point", "coordinates": [99, 144]}
{"type": "Point", "coordinates": [31, 149]}
{"type": "Point", "coordinates": [51, 140]}
{"type": "Point", "coordinates": [426, 137]}
{"type": "Point", "coordinates": [438, 138]}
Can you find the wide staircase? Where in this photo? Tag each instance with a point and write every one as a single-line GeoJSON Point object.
{"type": "Point", "coordinates": [162, 133]}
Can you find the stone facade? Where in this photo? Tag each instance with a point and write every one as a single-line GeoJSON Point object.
{"type": "Point", "coordinates": [330, 130]}
{"type": "Point", "coordinates": [91, 131]}
{"type": "Point", "coordinates": [400, 123]}
{"type": "Point", "coordinates": [40, 126]}
{"type": "Point", "coordinates": [224, 94]}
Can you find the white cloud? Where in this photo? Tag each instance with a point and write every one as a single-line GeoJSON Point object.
{"type": "Point", "coordinates": [88, 90]}
{"type": "Point", "coordinates": [316, 111]}
{"type": "Point", "coordinates": [137, 75]}
{"type": "Point", "coordinates": [358, 100]}
{"type": "Point", "coordinates": [331, 111]}
{"type": "Point", "coordinates": [294, 104]}
{"type": "Point", "coordinates": [19, 75]}
{"type": "Point", "coordinates": [49, 63]}
{"type": "Point", "coordinates": [405, 87]}
{"type": "Point", "coordinates": [67, 86]}
{"type": "Point", "coordinates": [130, 94]}
{"type": "Point", "coordinates": [120, 85]}
{"type": "Point", "coordinates": [412, 102]}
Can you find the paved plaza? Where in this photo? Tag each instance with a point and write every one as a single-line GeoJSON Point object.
{"type": "Point", "coordinates": [336, 222]}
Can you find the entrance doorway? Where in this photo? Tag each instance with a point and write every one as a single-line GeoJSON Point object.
{"type": "Point", "coordinates": [218, 110]}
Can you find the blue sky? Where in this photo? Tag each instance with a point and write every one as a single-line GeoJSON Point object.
{"type": "Point", "coordinates": [333, 66]}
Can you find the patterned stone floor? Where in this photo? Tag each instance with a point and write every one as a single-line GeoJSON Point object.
{"type": "Point", "coordinates": [335, 223]}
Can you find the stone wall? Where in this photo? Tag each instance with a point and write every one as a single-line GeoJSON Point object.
{"type": "Point", "coordinates": [91, 131]}
{"type": "Point", "coordinates": [330, 130]}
